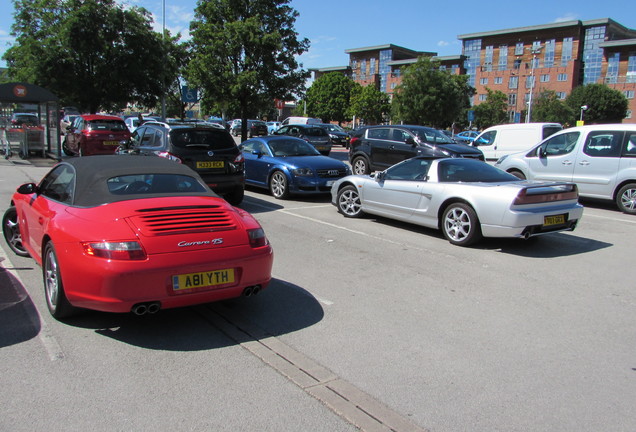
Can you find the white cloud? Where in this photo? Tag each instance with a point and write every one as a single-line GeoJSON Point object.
{"type": "Point", "coordinates": [570, 16]}
{"type": "Point", "coordinates": [443, 43]}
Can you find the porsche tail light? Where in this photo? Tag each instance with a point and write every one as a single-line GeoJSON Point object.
{"type": "Point", "coordinates": [125, 250]}
{"type": "Point", "coordinates": [257, 237]}
{"type": "Point", "coordinates": [168, 156]}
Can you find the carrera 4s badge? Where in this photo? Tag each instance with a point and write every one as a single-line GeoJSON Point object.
{"type": "Point", "coordinates": [216, 241]}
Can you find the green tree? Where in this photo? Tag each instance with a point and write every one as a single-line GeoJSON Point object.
{"type": "Point", "coordinates": [549, 108]}
{"type": "Point", "coordinates": [493, 110]}
{"type": "Point", "coordinates": [91, 53]}
{"type": "Point", "coordinates": [604, 104]}
{"type": "Point", "coordinates": [369, 104]}
{"type": "Point", "coordinates": [329, 97]}
{"type": "Point", "coordinates": [244, 52]}
{"type": "Point", "coordinates": [430, 96]}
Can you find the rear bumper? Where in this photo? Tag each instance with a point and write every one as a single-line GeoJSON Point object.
{"type": "Point", "coordinates": [527, 224]}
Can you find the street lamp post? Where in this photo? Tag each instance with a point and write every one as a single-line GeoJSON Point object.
{"type": "Point", "coordinates": [583, 109]}
{"type": "Point", "coordinates": [163, 35]}
{"type": "Point", "coordinates": [535, 51]}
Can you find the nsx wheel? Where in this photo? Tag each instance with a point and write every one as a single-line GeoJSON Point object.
{"type": "Point", "coordinates": [278, 185]}
{"type": "Point", "coordinates": [349, 202]}
{"type": "Point", "coordinates": [53, 287]}
{"type": "Point", "coordinates": [360, 166]}
{"type": "Point", "coordinates": [11, 232]}
{"type": "Point", "coordinates": [460, 224]}
{"type": "Point", "coordinates": [626, 199]}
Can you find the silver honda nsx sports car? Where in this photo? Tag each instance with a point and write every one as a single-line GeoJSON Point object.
{"type": "Point", "coordinates": [467, 199]}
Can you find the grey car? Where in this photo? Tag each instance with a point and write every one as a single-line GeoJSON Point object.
{"type": "Point", "coordinates": [466, 198]}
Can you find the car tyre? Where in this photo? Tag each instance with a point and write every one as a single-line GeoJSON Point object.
{"type": "Point", "coordinates": [460, 224]}
{"type": "Point", "coordinates": [235, 197]}
{"type": "Point", "coordinates": [517, 174]}
{"type": "Point", "coordinates": [626, 199]}
{"type": "Point", "coordinates": [67, 151]}
{"type": "Point", "coordinates": [278, 185]}
{"type": "Point", "coordinates": [349, 204]}
{"type": "Point", "coordinates": [11, 232]}
{"type": "Point", "coordinates": [360, 166]}
{"type": "Point", "coordinates": [56, 300]}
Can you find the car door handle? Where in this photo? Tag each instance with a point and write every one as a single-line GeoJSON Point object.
{"type": "Point", "coordinates": [584, 162]}
{"type": "Point", "coordinates": [566, 162]}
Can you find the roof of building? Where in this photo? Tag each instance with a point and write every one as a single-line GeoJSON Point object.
{"type": "Point", "coordinates": [618, 43]}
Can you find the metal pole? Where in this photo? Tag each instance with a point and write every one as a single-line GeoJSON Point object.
{"type": "Point", "coordinates": [535, 51]}
{"type": "Point", "coordinates": [163, 93]}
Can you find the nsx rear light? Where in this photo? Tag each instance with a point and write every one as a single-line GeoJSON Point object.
{"type": "Point", "coordinates": [547, 195]}
{"type": "Point", "coordinates": [168, 156]}
{"type": "Point", "coordinates": [126, 250]}
{"type": "Point", "coordinates": [257, 237]}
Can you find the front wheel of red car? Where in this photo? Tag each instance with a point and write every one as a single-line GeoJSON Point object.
{"type": "Point", "coordinates": [11, 232]}
{"type": "Point", "coordinates": [56, 300]}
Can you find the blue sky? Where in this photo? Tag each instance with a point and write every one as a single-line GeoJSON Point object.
{"type": "Point", "coordinates": [333, 26]}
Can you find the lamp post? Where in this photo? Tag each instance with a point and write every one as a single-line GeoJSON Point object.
{"type": "Point", "coordinates": [163, 35]}
{"type": "Point", "coordinates": [583, 109]}
{"type": "Point", "coordinates": [535, 51]}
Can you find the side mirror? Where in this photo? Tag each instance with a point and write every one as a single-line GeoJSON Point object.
{"type": "Point", "coordinates": [379, 177]}
{"type": "Point", "coordinates": [258, 154]}
{"type": "Point", "coordinates": [27, 189]}
{"type": "Point", "coordinates": [411, 141]}
{"type": "Point", "coordinates": [541, 152]}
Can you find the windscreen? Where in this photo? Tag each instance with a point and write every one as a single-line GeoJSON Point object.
{"type": "Point", "coordinates": [107, 125]}
{"type": "Point", "coordinates": [212, 139]}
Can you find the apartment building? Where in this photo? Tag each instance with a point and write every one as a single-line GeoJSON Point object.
{"type": "Point", "coordinates": [521, 62]}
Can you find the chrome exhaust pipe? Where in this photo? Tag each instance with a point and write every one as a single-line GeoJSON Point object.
{"type": "Point", "coordinates": [154, 307]}
{"type": "Point", "coordinates": [140, 309]}
{"type": "Point", "coordinates": [247, 291]}
{"type": "Point", "coordinates": [256, 290]}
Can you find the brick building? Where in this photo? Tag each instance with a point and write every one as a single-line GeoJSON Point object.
{"type": "Point", "coordinates": [521, 62]}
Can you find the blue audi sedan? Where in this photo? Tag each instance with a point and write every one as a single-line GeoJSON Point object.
{"type": "Point", "coordinates": [286, 165]}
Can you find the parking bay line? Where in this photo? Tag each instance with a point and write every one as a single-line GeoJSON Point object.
{"type": "Point", "coordinates": [340, 396]}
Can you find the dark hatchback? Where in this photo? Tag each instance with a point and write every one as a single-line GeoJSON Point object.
{"type": "Point", "coordinates": [313, 134]}
{"type": "Point", "coordinates": [375, 148]}
{"type": "Point", "coordinates": [208, 150]}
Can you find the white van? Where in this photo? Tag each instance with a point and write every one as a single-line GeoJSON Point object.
{"type": "Point", "coordinates": [500, 140]}
{"type": "Point", "coordinates": [301, 120]}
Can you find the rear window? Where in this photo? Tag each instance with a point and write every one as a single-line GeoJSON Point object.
{"type": "Point", "coordinates": [153, 184]}
{"type": "Point", "coordinates": [468, 170]}
{"type": "Point", "coordinates": [212, 139]}
{"type": "Point", "coordinates": [315, 131]}
{"type": "Point", "coordinates": [107, 125]}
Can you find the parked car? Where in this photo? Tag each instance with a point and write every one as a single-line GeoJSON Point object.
{"type": "Point", "coordinates": [600, 159]}
{"type": "Point", "coordinates": [287, 165]}
{"type": "Point", "coordinates": [208, 150]}
{"type": "Point", "coordinates": [465, 137]}
{"type": "Point", "coordinates": [378, 147]}
{"type": "Point", "coordinates": [500, 140]}
{"type": "Point", "coordinates": [254, 128]}
{"type": "Point", "coordinates": [92, 134]}
{"type": "Point", "coordinates": [19, 120]}
{"type": "Point", "coordinates": [272, 127]}
{"type": "Point", "coordinates": [466, 199]}
{"type": "Point", "coordinates": [133, 122]}
{"type": "Point", "coordinates": [301, 120]}
{"type": "Point", "coordinates": [313, 134]}
{"type": "Point", "coordinates": [119, 234]}
{"type": "Point", "coordinates": [336, 134]}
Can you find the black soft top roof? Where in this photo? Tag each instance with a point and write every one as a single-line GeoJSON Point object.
{"type": "Point", "coordinates": [93, 172]}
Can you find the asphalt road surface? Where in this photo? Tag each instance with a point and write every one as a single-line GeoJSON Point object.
{"type": "Point", "coordinates": [368, 323]}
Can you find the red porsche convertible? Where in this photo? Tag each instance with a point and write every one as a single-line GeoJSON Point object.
{"type": "Point", "coordinates": [121, 234]}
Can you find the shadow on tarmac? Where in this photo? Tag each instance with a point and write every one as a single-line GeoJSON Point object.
{"type": "Point", "coordinates": [19, 320]}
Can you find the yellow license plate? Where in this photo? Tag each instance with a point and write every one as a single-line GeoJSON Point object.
{"type": "Point", "coordinates": [210, 164]}
{"type": "Point", "coordinates": [202, 279]}
{"type": "Point", "coordinates": [111, 143]}
{"type": "Point", "coordinates": [554, 220]}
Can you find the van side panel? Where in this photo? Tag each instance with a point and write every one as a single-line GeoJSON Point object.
{"type": "Point", "coordinates": [513, 138]}
{"type": "Point", "coordinates": [301, 120]}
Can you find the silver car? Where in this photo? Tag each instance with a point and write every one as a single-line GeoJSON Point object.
{"type": "Point", "coordinates": [600, 159]}
{"type": "Point", "coordinates": [467, 199]}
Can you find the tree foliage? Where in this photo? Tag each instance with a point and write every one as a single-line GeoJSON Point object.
{"type": "Point", "coordinates": [96, 54]}
{"type": "Point", "coordinates": [604, 104]}
{"type": "Point", "coordinates": [549, 108]}
{"type": "Point", "coordinates": [430, 96]}
{"type": "Point", "coordinates": [329, 97]}
{"type": "Point", "coordinates": [493, 110]}
{"type": "Point", "coordinates": [244, 52]}
{"type": "Point", "coordinates": [369, 104]}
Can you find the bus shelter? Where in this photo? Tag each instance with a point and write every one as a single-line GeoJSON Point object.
{"type": "Point", "coordinates": [29, 121]}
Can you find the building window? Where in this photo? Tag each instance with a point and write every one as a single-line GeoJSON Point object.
{"type": "Point", "coordinates": [371, 66]}
{"type": "Point", "coordinates": [631, 68]}
{"type": "Point", "coordinates": [483, 81]}
{"type": "Point", "coordinates": [519, 48]}
{"type": "Point", "coordinates": [530, 81]}
{"type": "Point", "coordinates": [548, 57]}
{"type": "Point", "coordinates": [536, 48]}
{"type": "Point", "coordinates": [512, 99]}
{"type": "Point", "coordinates": [629, 114]}
{"type": "Point", "coordinates": [613, 60]}
{"type": "Point", "coordinates": [566, 51]}
{"type": "Point", "coordinates": [488, 59]}
{"type": "Point", "coordinates": [498, 80]}
{"type": "Point", "coordinates": [562, 77]}
{"type": "Point", "coordinates": [393, 85]}
{"type": "Point", "coordinates": [483, 97]}
{"type": "Point", "coordinates": [561, 95]}
{"type": "Point", "coordinates": [629, 94]}
{"type": "Point", "coordinates": [363, 68]}
{"type": "Point", "coordinates": [545, 78]}
{"type": "Point", "coordinates": [503, 57]}
{"type": "Point", "coordinates": [593, 54]}
{"type": "Point", "coordinates": [517, 64]}
{"type": "Point", "coordinates": [513, 83]}
{"type": "Point", "coordinates": [472, 51]}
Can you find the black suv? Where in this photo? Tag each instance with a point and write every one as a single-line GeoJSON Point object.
{"type": "Point", "coordinates": [378, 147]}
{"type": "Point", "coordinates": [313, 134]}
{"type": "Point", "coordinates": [210, 151]}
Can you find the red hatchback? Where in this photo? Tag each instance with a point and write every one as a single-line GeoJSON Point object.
{"type": "Point", "coordinates": [95, 134]}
